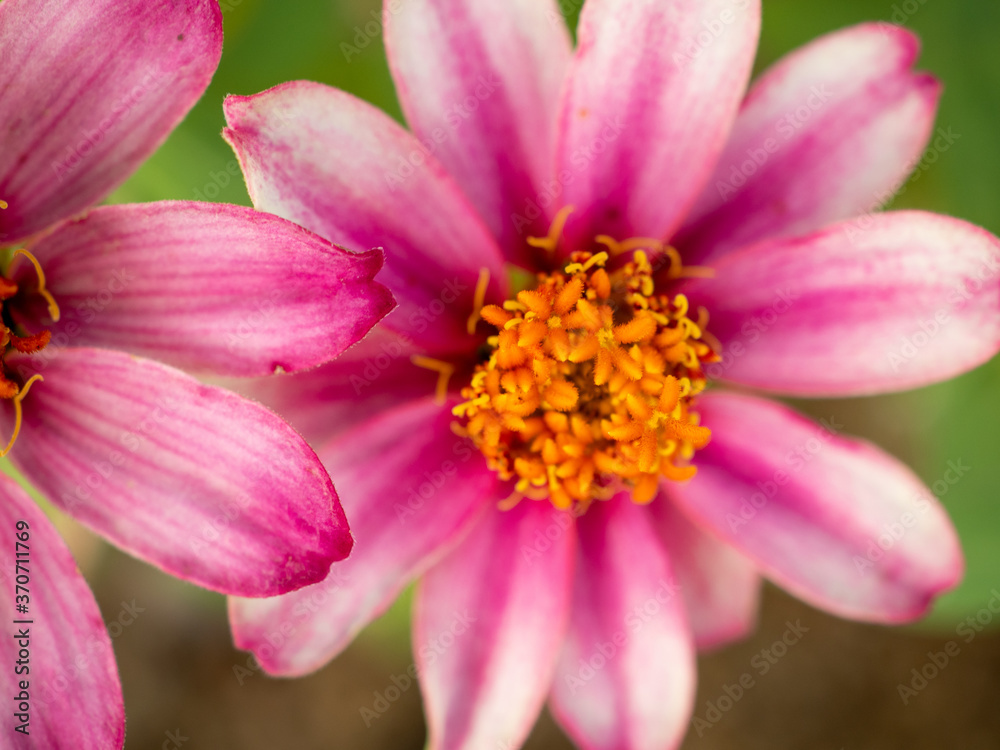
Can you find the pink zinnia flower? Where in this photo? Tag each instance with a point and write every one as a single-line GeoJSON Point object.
{"type": "Point", "coordinates": [192, 478]}
{"type": "Point", "coordinates": [585, 387]}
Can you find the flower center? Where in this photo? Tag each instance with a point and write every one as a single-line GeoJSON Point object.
{"type": "Point", "coordinates": [589, 385]}
{"type": "Point", "coordinates": [10, 387]}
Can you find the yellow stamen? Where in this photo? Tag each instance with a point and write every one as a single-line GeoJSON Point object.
{"type": "Point", "coordinates": [444, 369]}
{"type": "Point", "coordinates": [53, 307]}
{"type": "Point", "coordinates": [590, 385]}
{"type": "Point", "coordinates": [551, 242]}
{"type": "Point", "coordinates": [3, 204]}
{"type": "Point", "coordinates": [478, 299]}
{"type": "Point", "coordinates": [17, 412]}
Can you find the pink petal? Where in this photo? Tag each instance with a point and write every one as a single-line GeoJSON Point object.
{"type": "Point", "coordinates": [373, 375]}
{"type": "Point", "coordinates": [653, 92]}
{"type": "Point", "coordinates": [893, 301]}
{"type": "Point", "coordinates": [411, 488]}
{"type": "Point", "coordinates": [196, 480]}
{"type": "Point", "coordinates": [89, 91]}
{"type": "Point", "coordinates": [829, 132]}
{"type": "Point", "coordinates": [721, 588]}
{"type": "Point", "coordinates": [58, 651]}
{"type": "Point", "coordinates": [208, 287]}
{"type": "Point", "coordinates": [479, 83]}
{"type": "Point", "coordinates": [488, 623]}
{"type": "Point", "coordinates": [345, 170]}
{"type": "Point", "coordinates": [626, 676]}
{"type": "Point", "coordinates": [837, 522]}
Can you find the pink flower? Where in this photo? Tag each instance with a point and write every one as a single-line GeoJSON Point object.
{"type": "Point", "coordinates": [585, 388]}
{"type": "Point", "coordinates": [192, 478]}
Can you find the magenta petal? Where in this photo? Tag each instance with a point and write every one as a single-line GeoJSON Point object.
{"type": "Point", "coordinates": [89, 91]}
{"type": "Point", "coordinates": [479, 83]}
{"type": "Point", "coordinates": [194, 479]}
{"type": "Point", "coordinates": [208, 287]}
{"type": "Point", "coordinates": [721, 588]}
{"type": "Point", "coordinates": [626, 676]}
{"type": "Point", "coordinates": [345, 170]}
{"type": "Point", "coordinates": [374, 375]}
{"type": "Point", "coordinates": [837, 522]}
{"type": "Point", "coordinates": [893, 301]}
{"type": "Point", "coordinates": [488, 623]}
{"type": "Point", "coordinates": [829, 132]}
{"type": "Point", "coordinates": [651, 98]}
{"type": "Point", "coordinates": [70, 678]}
{"type": "Point", "coordinates": [410, 487]}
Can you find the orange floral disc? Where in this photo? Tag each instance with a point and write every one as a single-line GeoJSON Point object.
{"type": "Point", "coordinates": [589, 385]}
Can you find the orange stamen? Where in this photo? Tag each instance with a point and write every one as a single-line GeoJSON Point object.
{"type": "Point", "coordinates": [18, 398]}
{"type": "Point", "coordinates": [31, 344]}
{"type": "Point", "coordinates": [444, 369]}
{"type": "Point", "coordinates": [551, 242]}
{"type": "Point", "coordinates": [477, 301]}
{"type": "Point", "coordinates": [53, 307]}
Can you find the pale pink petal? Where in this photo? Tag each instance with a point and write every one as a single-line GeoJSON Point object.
{"type": "Point", "coordinates": [837, 522]}
{"type": "Point", "coordinates": [89, 90]}
{"type": "Point", "coordinates": [651, 98]}
{"type": "Point", "coordinates": [208, 287]}
{"type": "Point", "coordinates": [488, 624]}
{"type": "Point", "coordinates": [345, 170]}
{"type": "Point", "coordinates": [895, 301]}
{"type": "Point", "coordinates": [479, 83]}
{"type": "Point", "coordinates": [626, 675]}
{"type": "Point", "coordinates": [62, 667]}
{"type": "Point", "coordinates": [410, 488]}
{"type": "Point", "coordinates": [721, 588]}
{"type": "Point", "coordinates": [194, 479]}
{"type": "Point", "coordinates": [373, 375]}
{"type": "Point", "coordinates": [831, 131]}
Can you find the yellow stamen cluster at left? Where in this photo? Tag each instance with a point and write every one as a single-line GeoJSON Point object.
{"type": "Point", "coordinates": [589, 384]}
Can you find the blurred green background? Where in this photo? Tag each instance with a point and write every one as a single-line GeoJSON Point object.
{"type": "Point", "coordinates": [837, 689]}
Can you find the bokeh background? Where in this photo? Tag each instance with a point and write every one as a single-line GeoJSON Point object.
{"type": "Point", "coordinates": [838, 687]}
